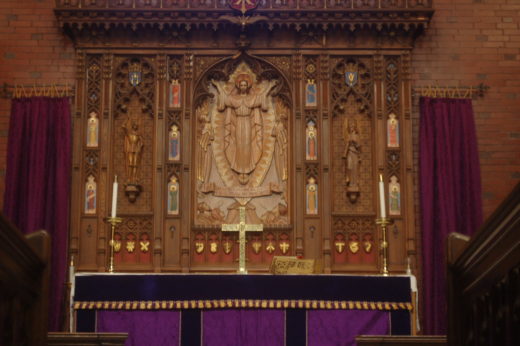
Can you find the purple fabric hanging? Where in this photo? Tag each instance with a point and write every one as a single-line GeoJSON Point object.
{"type": "Point", "coordinates": [243, 327]}
{"type": "Point", "coordinates": [37, 182]}
{"type": "Point", "coordinates": [158, 328]}
{"type": "Point", "coordinates": [340, 327]}
{"type": "Point", "coordinates": [450, 194]}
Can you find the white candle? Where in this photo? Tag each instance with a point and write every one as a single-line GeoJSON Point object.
{"type": "Point", "coordinates": [114, 198]}
{"type": "Point", "coordinates": [382, 196]}
{"type": "Point", "coordinates": [72, 270]}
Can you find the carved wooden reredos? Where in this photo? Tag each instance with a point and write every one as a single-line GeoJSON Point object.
{"type": "Point", "coordinates": [289, 108]}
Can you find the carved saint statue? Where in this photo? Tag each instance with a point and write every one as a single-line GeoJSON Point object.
{"type": "Point", "coordinates": [206, 138]}
{"type": "Point", "coordinates": [133, 148]}
{"type": "Point", "coordinates": [280, 149]}
{"type": "Point", "coordinates": [352, 152]}
{"type": "Point", "coordinates": [242, 148]}
{"type": "Point", "coordinates": [243, 107]}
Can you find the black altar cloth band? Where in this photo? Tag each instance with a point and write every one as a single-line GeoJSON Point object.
{"type": "Point", "coordinates": [241, 303]}
{"type": "Point", "coordinates": [209, 289]}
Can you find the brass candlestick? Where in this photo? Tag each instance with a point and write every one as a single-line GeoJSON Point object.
{"type": "Point", "coordinates": [384, 222]}
{"type": "Point", "coordinates": [113, 221]}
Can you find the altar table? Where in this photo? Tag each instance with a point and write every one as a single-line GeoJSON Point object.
{"type": "Point", "coordinates": [230, 309]}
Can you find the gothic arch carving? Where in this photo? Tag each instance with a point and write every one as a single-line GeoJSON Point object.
{"type": "Point", "coordinates": [249, 167]}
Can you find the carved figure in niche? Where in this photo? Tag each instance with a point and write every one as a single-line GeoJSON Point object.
{"type": "Point", "coordinates": [311, 141]}
{"type": "Point", "coordinates": [312, 196]}
{"type": "Point", "coordinates": [93, 130]}
{"type": "Point", "coordinates": [173, 196]}
{"type": "Point", "coordinates": [394, 197]}
{"type": "Point", "coordinates": [351, 154]}
{"type": "Point", "coordinates": [175, 94]}
{"type": "Point", "coordinates": [133, 148]}
{"type": "Point", "coordinates": [242, 146]}
{"type": "Point", "coordinates": [90, 195]}
{"type": "Point", "coordinates": [311, 91]}
{"type": "Point", "coordinates": [280, 149]}
{"type": "Point", "coordinates": [243, 107]}
{"type": "Point", "coordinates": [206, 138]}
{"type": "Point", "coordinates": [392, 131]}
{"type": "Point", "coordinates": [208, 215]}
{"type": "Point", "coordinates": [276, 216]}
{"type": "Point", "coordinates": [174, 143]}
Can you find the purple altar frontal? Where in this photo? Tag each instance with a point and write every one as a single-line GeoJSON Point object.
{"type": "Point", "coordinates": [230, 309]}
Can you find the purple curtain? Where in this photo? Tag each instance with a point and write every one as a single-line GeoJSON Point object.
{"type": "Point", "coordinates": [143, 327]}
{"type": "Point", "coordinates": [38, 179]}
{"type": "Point", "coordinates": [243, 327]}
{"type": "Point", "coordinates": [450, 193]}
{"type": "Point", "coordinates": [340, 327]}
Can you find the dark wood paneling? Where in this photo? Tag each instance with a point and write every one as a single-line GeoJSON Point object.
{"type": "Point", "coordinates": [24, 280]}
{"type": "Point", "coordinates": [86, 339]}
{"type": "Point", "coordinates": [426, 340]}
{"type": "Point", "coordinates": [484, 281]}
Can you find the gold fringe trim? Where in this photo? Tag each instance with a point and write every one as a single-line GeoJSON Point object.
{"type": "Point", "coordinates": [242, 303]}
{"type": "Point", "coordinates": [47, 90]}
{"type": "Point", "coordinates": [460, 92]}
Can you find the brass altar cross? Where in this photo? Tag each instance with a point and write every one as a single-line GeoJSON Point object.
{"type": "Point", "coordinates": [242, 228]}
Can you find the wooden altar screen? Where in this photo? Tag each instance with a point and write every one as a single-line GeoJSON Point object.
{"type": "Point", "coordinates": [324, 89]}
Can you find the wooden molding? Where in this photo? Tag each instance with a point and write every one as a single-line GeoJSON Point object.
{"type": "Point", "coordinates": [170, 21]}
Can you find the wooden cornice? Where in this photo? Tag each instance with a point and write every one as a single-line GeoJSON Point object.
{"type": "Point", "coordinates": [80, 18]}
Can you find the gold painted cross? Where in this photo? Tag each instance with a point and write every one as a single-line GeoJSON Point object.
{"type": "Point", "coordinates": [242, 228]}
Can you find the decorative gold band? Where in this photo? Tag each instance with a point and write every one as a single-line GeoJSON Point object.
{"type": "Point", "coordinates": [241, 303]}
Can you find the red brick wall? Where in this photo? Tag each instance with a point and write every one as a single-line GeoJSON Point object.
{"type": "Point", "coordinates": [471, 42]}
{"type": "Point", "coordinates": [32, 50]}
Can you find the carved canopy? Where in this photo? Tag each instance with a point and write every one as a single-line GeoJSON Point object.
{"type": "Point", "coordinates": [103, 21]}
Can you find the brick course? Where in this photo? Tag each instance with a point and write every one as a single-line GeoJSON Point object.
{"type": "Point", "coordinates": [484, 37]}
{"type": "Point", "coordinates": [32, 51]}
